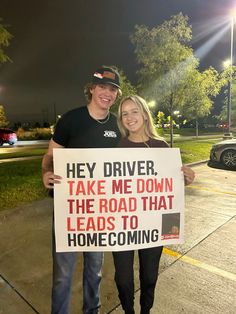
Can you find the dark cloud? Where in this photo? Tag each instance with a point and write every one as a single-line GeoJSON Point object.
{"type": "Point", "coordinates": [57, 44]}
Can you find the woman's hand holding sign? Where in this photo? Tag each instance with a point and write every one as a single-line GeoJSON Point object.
{"type": "Point", "coordinates": [189, 175]}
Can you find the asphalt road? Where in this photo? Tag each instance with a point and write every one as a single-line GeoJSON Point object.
{"type": "Point", "coordinates": [6, 148]}
{"type": "Point", "coordinates": [197, 277]}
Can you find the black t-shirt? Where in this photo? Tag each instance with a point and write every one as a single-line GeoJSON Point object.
{"type": "Point", "coordinates": [152, 142]}
{"type": "Point", "coordinates": [77, 129]}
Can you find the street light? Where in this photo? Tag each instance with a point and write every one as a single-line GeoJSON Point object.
{"type": "Point", "coordinates": [226, 64]}
{"type": "Point", "coordinates": [152, 104]}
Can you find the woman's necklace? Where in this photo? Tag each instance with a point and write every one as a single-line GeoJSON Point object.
{"type": "Point", "coordinates": [103, 121]}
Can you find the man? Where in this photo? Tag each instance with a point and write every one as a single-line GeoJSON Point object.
{"type": "Point", "coordinates": [91, 126]}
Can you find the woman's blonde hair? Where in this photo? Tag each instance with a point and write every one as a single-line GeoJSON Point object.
{"type": "Point", "coordinates": [149, 127]}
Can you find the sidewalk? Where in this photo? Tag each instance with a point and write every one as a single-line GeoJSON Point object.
{"type": "Point", "coordinates": [203, 281]}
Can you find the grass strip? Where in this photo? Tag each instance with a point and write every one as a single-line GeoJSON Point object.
{"type": "Point", "coordinates": [193, 151]}
{"type": "Point", "coordinates": [20, 182]}
{"type": "Point", "coordinates": [23, 153]}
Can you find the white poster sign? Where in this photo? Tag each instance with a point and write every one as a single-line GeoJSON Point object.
{"type": "Point", "coordinates": [118, 199]}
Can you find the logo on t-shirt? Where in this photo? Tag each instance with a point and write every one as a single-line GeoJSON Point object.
{"type": "Point", "coordinates": [109, 134]}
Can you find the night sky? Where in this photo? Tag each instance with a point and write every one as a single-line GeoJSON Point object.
{"type": "Point", "coordinates": [58, 43]}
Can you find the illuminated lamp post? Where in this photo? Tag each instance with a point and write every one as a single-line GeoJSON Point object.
{"type": "Point", "coordinates": [231, 65]}
{"type": "Point", "coordinates": [151, 104]}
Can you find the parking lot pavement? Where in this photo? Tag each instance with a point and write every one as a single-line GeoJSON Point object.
{"type": "Point", "coordinates": [203, 277]}
{"type": "Point", "coordinates": [198, 276]}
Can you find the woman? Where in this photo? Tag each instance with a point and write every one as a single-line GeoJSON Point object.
{"type": "Point", "coordinates": [137, 129]}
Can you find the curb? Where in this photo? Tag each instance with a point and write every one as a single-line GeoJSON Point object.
{"type": "Point", "coordinates": [19, 159]}
{"type": "Point", "coordinates": [196, 163]}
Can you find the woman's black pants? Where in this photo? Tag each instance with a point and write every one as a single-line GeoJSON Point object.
{"type": "Point", "coordinates": [148, 273]}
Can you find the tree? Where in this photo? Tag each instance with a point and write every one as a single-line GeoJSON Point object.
{"type": "Point", "coordinates": [233, 103]}
{"type": "Point", "coordinates": [160, 117]}
{"type": "Point", "coordinates": [5, 38]}
{"type": "Point", "coordinates": [202, 86]}
{"type": "Point", "coordinates": [167, 66]}
{"type": "Point", "coordinates": [3, 119]}
{"type": "Point", "coordinates": [223, 116]}
{"type": "Point", "coordinates": [160, 49]}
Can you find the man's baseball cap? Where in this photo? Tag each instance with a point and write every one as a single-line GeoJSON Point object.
{"type": "Point", "coordinates": [106, 75]}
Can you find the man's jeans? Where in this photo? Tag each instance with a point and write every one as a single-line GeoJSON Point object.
{"type": "Point", "coordinates": [63, 268]}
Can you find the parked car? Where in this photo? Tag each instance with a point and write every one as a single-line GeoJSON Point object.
{"type": "Point", "coordinates": [224, 152]}
{"type": "Point", "coordinates": [7, 136]}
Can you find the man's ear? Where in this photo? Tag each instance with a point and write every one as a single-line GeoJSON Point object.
{"type": "Point", "coordinates": [92, 89]}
